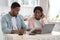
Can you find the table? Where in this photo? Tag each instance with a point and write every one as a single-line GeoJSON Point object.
{"type": "Point", "coordinates": [33, 37]}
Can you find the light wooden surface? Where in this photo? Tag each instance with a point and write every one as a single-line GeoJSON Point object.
{"type": "Point", "coordinates": [25, 37]}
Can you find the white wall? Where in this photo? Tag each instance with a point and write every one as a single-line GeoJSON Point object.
{"type": "Point", "coordinates": [45, 5]}
{"type": "Point", "coordinates": [3, 2]}
{"type": "Point", "coordinates": [26, 11]}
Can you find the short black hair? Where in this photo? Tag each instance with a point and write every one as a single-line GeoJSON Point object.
{"type": "Point", "coordinates": [38, 8]}
{"type": "Point", "coordinates": [15, 4]}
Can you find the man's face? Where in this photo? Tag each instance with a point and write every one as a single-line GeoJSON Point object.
{"type": "Point", "coordinates": [15, 11]}
{"type": "Point", "coordinates": [37, 14]}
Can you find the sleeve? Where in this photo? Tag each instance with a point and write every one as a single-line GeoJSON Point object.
{"type": "Point", "coordinates": [23, 26]}
{"type": "Point", "coordinates": [4, 26]}
{"type": "Point", "coordinates": [30, 24]}
{"type": "Point", "coordinates": [43, 21]}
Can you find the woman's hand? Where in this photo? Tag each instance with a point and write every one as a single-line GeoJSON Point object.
{"type": "Point", "coordinates": [36, 31]}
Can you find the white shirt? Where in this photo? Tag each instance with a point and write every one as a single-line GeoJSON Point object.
{"type": "Point", "coordinates": [37, 24]}
{"type": "Point", "coordinates": [13, 20]}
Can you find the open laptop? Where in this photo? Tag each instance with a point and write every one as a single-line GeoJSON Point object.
{"type": "Point", "coordinates": [47, 28]}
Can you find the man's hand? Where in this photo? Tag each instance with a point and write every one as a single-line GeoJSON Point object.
{"type": "Point", "coordinates": [15, 32]}
{"type": "Point", "coordinates": [22, 31]}
{"type": "Point", "coordinates": [18, 31]}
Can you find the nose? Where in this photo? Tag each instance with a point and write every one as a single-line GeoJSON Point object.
{"type": "Point", "coordinates": [37, 14]}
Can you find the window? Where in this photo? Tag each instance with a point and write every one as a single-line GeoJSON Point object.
{"type": "Point", "coordinates": [26, 3]}
{"type": "Point", "coordinates": [54, 12]}
{"type": "Point", "coordinates": [25, 6]}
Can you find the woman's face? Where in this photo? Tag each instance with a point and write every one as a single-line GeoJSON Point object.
{"type": "Point", "coordinates": [37, 14]}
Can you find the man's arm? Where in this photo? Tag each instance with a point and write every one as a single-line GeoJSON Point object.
{"type": "Point", "coordinates": [4, 26]}
{"type": "Point", "coordinates": [23, 26]}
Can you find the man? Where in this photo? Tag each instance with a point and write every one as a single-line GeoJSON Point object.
{"type": "Point", "coordinates": [12, 22]}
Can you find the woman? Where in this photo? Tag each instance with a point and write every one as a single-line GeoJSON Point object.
{"type": "Point", "coordinates": [37, 22]}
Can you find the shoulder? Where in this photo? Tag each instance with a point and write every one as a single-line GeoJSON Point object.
{"type": "Point", "coordinates": [5, 16]}
{"type": "Point", "coordinates": [31, 19]}
{"type": "Point", "coordinates": [44, 20]}
{"type": "Point", "coordinates": [21, 17]}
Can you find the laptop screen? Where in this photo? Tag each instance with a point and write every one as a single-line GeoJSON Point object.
{"type": "Point", "coordinates": [47, 28]}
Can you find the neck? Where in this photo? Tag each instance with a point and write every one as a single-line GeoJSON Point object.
{"type": "Point", "coordinates": [37, 18]}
